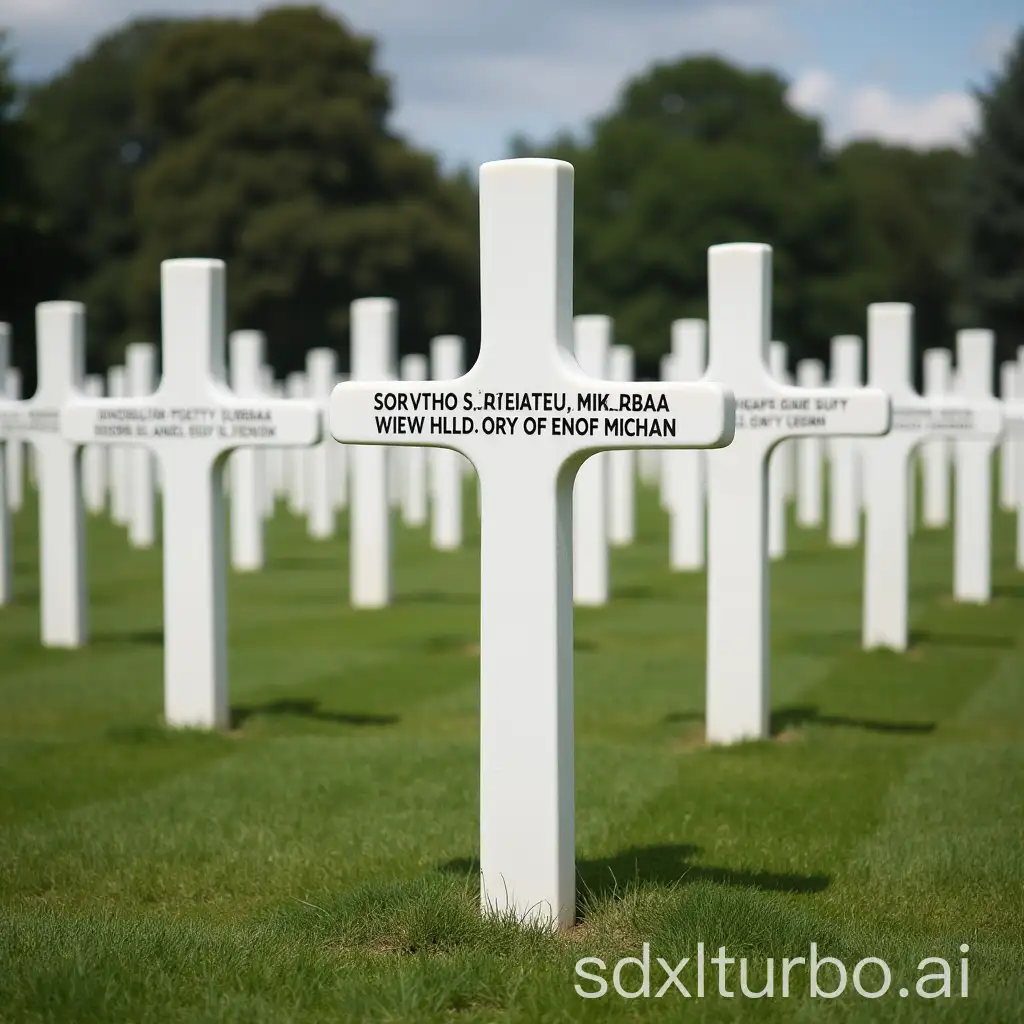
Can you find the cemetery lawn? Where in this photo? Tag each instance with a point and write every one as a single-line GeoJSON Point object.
{"type": "Point", "coordinates": [317, 863]}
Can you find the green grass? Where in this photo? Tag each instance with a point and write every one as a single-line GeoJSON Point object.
{"type": "Point", "coordinates": [318, 863]}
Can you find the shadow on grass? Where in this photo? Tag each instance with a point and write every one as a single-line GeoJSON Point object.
{"type": "Point", "coordinates": [321, 561]}
{"type": "Point", "coordinates": [1011, 590]}
{"type": "Point", "coordinates": [664, 864]}
{"type": "Point", "coordinates": [136, 637]}
{"type": "Point", "coordinates": [301, 708]}
{"type": "Point", "coordinates": [787, 718]}
{"type": "Point", "coordinates": [930, 638]}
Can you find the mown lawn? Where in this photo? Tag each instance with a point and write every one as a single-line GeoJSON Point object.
{"type": "Point", "coordinates": [317, 864]}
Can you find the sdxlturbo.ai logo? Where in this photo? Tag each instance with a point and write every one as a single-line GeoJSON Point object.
{"type": "Point", "coordinates": [820, 977]}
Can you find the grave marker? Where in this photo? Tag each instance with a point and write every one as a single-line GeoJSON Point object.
{"type": "Point", "coordinates": [191, 423]}
{"type": "Point", "coordinates": [527, 415]}
{"type": "Point", "coordinates": [120, 486]}
{"type": "Point", "coordinates": [778, 459]}
{"type": "Point", "coordinates": [810, 373]}
{"type": "Point", "coordinates": [845, 488]}
{"type": "Point", "coordinates": [446, 363]}
{"type": "Point", "coordinates": [935, 461]}
{"type": "Point", "coordinates": [296, 389]}
{"type": "Point", "coordinates": [60, 356]}
{"type": "Point", "coordinates": [972, 520]}
{"type": "Point", "coordinates": [686, 496]}
{"type": "Point", "coordinates": [140, 377]}
{"type": "Point", "coordinates": [94, 459]}
{"type": "Point", "coordinates": [374, 341]}
{"type": "Point", "coordinates": [321, 372]}
{"type": "Point", "coordinates": [767, 411]}
{"type": "Point", "coordinates": [886, 548]}
{"type": "Point", "coordinates": [246, 350]}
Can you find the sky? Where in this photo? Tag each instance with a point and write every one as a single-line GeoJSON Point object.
{"type": "Point", "coordinates": [469, 74]}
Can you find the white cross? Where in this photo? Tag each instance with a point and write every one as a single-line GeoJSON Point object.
{"type": "Point", "coordinates": [533, 417]}
{"type": "Point", "coordinates": [886, 548]}
{"type": "Point", "coordinates": [190, 424]}
{"type": "Point", "coordinates": [686, 471]}
{"type": "Point", "coordinates": [810, 373]}
{"type": "Point", "coordinates": [935, 452]}
{"type": "Point", "coordinates": [140, 379]}
{"type": "Point", "coordinates": [246, 350]}
{"type": "Point", "coordinates": [94, 458]}
{"type": "Point", "coordinates": [778, 461]}
{"type": "Point", "coordinates": [321, 371]}
{"type": "Point", "coordinates": [972, 521]}
{"type": "Point", "coordinates": [767, 411]}
{"type": "Point", "coordinates": [845, 470]}
{"type": "Point", "coordinates": [60, 356]}
{"type": "Point", "coordinates": [15, 446]}
{"type": "Point", "coordinates": [296, 388]}
{"type": "Point", "coordinates": [446, 363]}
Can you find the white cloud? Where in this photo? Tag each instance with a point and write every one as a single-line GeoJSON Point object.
{"type": "Point", "coordinates": [874, 112]}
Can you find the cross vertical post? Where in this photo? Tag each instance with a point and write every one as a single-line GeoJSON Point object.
{"type": "Point", "coordinates": [527, 416]}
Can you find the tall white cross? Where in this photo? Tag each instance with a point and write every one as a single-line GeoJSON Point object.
{"type": "Point", "coordinates": [190, 424]}
{"type": "Point", "coordinates": [246, 350]}
{"type": "Point", "coordinates": [686, 471]}
{"type": "Point", "coordinates": [534, 416]}
{"type": "Point", "coordinates": [914, 419]}
{"type": "Point", "coordinates": [94, 458]}
{"type": "Point", "coordinates": [60, 356]}
{"type": "Point", "coordinates": [972, 522]}
{"type": "Point", "coordinates": [938, 372]}
{"type": "Point", "coordinates": [768, 411]}
{"type": "Point", "coordinates": [140, 377]}
{"type": "Point", "coordinates": [321, 371]}
{"type": "Point", "coordinates": [1007, 453]}
{"type": "Point", "coordinates": [845, 471]}
{"type": "Point", "coordinates": [778, 466]}
{"type": "Point", "coordinates": [446, 363]}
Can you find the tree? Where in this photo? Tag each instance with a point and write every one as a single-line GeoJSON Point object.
{"type": "Point", "coordinates": [908, 208]}
{"type": "Point", "coordinates": [696, 153]}
{"type": "Point", "coordinates": [273, 153]}
{"type": "Point", "coordinates": [88, 148]}
{"type": "Point", "coordinates": [30, 250]}
{"type": "Point", "coordinates": [993, 268]}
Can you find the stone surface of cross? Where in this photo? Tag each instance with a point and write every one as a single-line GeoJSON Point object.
{"type": "Point", "coordinates": [972, 521]}
{"type": "Point", "coordinates": [140, 379]}
{"type": "Point", "coordinates": [778, 459]}
{"type": "Point", "coordinates": [446, 363]}
{"type": "Point", "coordinates": [935, 458]}
{"type": "Point", "coordinates": [767, 412]}
{"type": "Point", "coordinates": [914, 419]}
{"type": "Point", "coordinates": [685, 470]}
{"type": "Point", "coordinates": [592, 341]}
{"type": "Point", "coordinates": [526, 415]}
{"type": "Point", "coordinates": [810, 373]}
{"type": "Point", "coordinates": [321, 371]}
{"type": "Point", "coordinates": [60, 355]}
{"type": "Point", "coordinates": [845, 470]}
{"type": "Point", "coordinates": [120, 484]}
{"type": "Point", "coordinates": [190, 424]}
{"type": "Point", "coordinates": [94, 458]}
{"type": "Point", "coordinates": [246, 350]}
